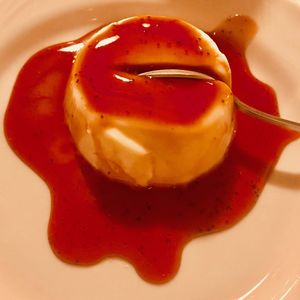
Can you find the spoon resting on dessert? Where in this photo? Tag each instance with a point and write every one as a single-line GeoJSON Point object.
{"type": "Point", "coordinates": [249, 110]}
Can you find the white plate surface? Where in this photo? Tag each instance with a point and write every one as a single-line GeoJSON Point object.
{"type": "Point", "coordinates": [256, 259]}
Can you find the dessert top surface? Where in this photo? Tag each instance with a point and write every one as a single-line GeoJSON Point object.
{"type": "Point", "coordinates": [106, 70]}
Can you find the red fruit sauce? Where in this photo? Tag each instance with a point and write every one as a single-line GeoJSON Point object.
{"type": "Point", "coordinates": [92, 217]}
{"type": "Point", "coordinates": [111, 84]}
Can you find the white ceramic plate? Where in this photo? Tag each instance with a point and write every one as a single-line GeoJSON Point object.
{"type": "Point", "coordinates": [256, 259]}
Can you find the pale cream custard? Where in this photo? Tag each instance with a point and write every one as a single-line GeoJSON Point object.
{"type": "Point", "coordinates": [146, 131]}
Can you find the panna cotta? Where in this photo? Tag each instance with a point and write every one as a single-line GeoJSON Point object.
{"type": "Point", "coordinates": [150, 131]}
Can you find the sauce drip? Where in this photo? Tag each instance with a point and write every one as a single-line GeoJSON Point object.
{"type": "Point", "coordinates": [93, 217]}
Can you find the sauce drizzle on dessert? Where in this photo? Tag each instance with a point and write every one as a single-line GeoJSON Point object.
{"type": "Point", "coordinates": [114, 57]}
{"type": "Point", "coordinates": [93, 217]}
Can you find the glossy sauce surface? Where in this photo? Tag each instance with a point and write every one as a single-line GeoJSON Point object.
{"type": "Point", "coordinates": [108, 73]}
{"type": "Point", "coordinates": [92, 217]}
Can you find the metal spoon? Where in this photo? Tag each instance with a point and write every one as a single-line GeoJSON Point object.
{"type": "Point", "coordinates": [247, 109]}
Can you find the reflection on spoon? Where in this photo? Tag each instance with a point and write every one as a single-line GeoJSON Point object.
{"type": "Point", "coordinates": [249, 110]}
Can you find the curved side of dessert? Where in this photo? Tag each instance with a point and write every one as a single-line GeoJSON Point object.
{"type": "Point", "coordinates": [142, 152]}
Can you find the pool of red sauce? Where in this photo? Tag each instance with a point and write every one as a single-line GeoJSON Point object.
{"type": "Point", "coordinates": [93, 218]}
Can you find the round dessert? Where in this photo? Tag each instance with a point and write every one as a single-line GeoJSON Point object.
{"type": "Point", "coordinates": [150, 131]}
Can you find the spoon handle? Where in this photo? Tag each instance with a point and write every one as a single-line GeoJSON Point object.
{"type": "Point", "coordinates": [253, 112]}
{"type": "Point", "coordinates": [245, 108]}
